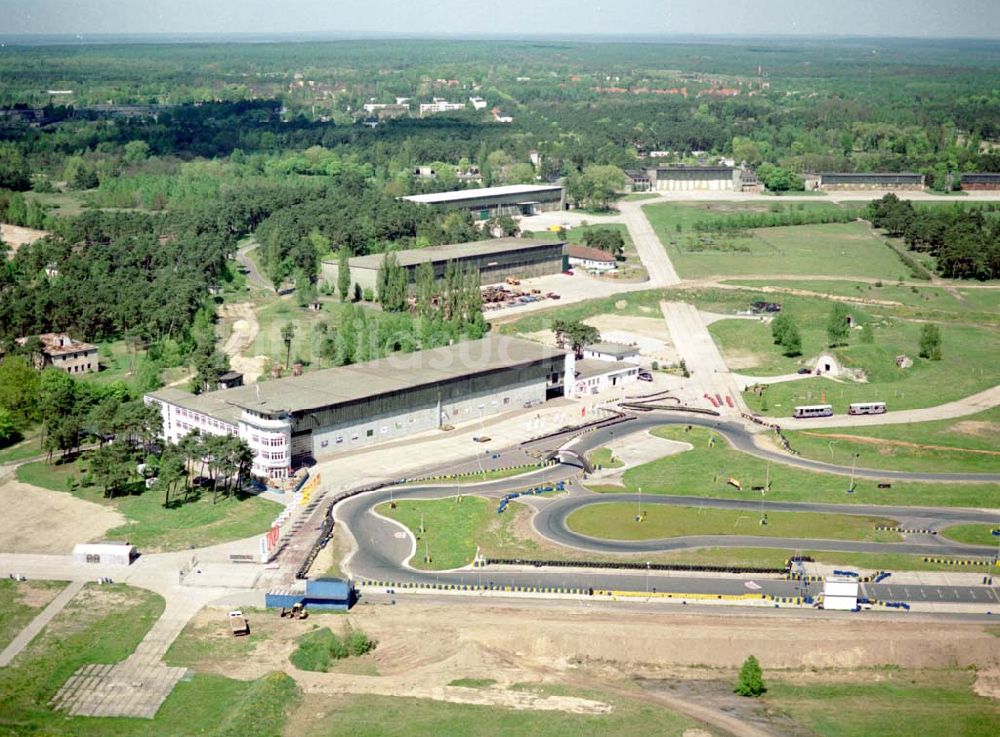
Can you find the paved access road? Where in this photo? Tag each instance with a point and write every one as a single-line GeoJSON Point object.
{"type": "Point", "coordinates": [742, 439]}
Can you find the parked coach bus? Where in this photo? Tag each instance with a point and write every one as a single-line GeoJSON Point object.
{"type": "Point", "coordinates": [867, 408]}
{"type": "Point", "coordinates": [814, 410]}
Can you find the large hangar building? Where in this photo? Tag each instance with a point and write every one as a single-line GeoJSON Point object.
{"type": "Point", "coordinates": [292, 421]}
{"type": "Point", "coordinates": [494, 259]}
{"type": "Point", "coordinates": [488, 202]}
{"type": "Point", "coordinates": [688, 178]}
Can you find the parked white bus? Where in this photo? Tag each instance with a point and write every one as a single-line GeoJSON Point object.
{"type": "Point", "coordinates": [867, 408]}
{"type": "Point", "coordinates": [814, 410]}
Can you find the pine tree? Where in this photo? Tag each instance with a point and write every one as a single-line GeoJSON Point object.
{"type": "Point", "coordinates": [343, 273]}
{"type": "Point", "coordinates": [791, 343]}
{"type": "Point", "coordinates": [930, 342]}
{"type": "Point", "coordinates": [751, 678]}
{"type": "Point", "coordinates": [837, 328]}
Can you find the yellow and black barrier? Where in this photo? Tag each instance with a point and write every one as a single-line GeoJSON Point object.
{"type": "Point", "coordinates": [962, 561]}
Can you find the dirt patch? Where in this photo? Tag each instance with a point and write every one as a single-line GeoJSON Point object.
{"type": "Point", "coordinates": [36, 595]}
{"type": "Point", "coordinates": [42, 521]}
{"type": "Point", "coordinates": [976, 428]}
{"type": "Point", "coordinates": [988, 683]}
{"type": "Point", "coordinates": [15, 236]}
{"type": "Point", "coordinates": [737, 359]}
{"type": "Point", "coordinates": [424, 646]}
{"type": "Point", "coordinates": [244, 330]}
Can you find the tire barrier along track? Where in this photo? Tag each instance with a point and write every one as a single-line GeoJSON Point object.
{"type": "Point", "coordinates": [629, 565]}
{"type": "Point", "coordinates": [326, 529]}
{"type": "Point", "coordinates": [649, 406]}
{"type": "Point", "coordinates": [616, 419]}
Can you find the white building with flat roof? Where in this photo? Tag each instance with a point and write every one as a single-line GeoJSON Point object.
{"type": "Point", "coordinates": [593, 376]}
{"type": "Point", "coordinates": [292, 421]}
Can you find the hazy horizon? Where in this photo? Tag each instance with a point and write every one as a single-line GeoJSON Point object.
{"type": "Point", "coordinates": [642, 19]}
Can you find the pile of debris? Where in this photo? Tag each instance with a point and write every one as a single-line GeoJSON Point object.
{"type": "Point", "coordinates": [498, 296]}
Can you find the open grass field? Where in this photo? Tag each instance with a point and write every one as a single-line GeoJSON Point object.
{"type": "Point", "coordinates": [705, 470]}
{"type": "Point", "coordinates": [273, 313]}
{"type": "Point", "coordinates": [153, 528]}
{"type": "Point", "coordinates": [967, 366]}
{"type": "Point", "coordinates": [891, 703]}
{"type": "Point", "coordinates": [973, 534]}
{"type": "Point", "coordinates": [103, 624]}
{"type": "Point", "coordinates": [453, 530]}
{"type": "Point", "coordinates": [22, 601]}
{"type": "Point", "coordinates": [407, 717]}
{"type": "Point", "coordinates": [617, 521]}
{"type": "Point", "coordinates": [912, 295]}
{"type": "Point", "coordinates": [837, 249]}
{"type": "Point", "coordinates": [966, 445]}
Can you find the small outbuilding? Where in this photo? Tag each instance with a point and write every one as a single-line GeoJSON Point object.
{"type": "Point", "coordinates": [840, 592]}
{"type": "Point", "coordinates": [591, 259]}
{"type": "Point", "coordinates": [610, 351]}
{"type": "Point", "coordinates": [105, 553]}
{"type": "Point", "coordinates": [321, 593]}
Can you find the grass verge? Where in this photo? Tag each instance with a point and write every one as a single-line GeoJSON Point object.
{"type": "Point", "coordinates": [604, 458]}
{"type": "Point", "coordinates": [617, 521]}
{"type": "Point", "coordinates": [452, 530]}
{"type": "Point", "coordinates": [403, 717]}
{"type": "Point", "coordinates": [966, 445]}
{"type": "Point", "coordinates": [705, 470]}
{"type": "Point", "coordinates": [973, 534]}
{"type": "Point", "coordinates": [895, 704]}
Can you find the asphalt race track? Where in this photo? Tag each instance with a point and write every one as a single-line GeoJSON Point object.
{"type": "Point", "coordinates": [384, 547]}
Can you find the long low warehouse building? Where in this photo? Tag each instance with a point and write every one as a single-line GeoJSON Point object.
{"type": "Point", "coordinates": [292, 421]}
{"type": "Point", "coordinates": [488, 202]}
{"type": "Point", "coordinates": [494, 259]}
{"type": "Point", "coordinates": [905, 181]}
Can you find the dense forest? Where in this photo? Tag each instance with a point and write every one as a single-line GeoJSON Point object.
{"type": "Point", "coordinates": [963, 242]}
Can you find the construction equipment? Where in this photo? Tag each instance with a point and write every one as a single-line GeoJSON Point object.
{"type": "Point", "coordinates": [238, 624]}
{"type": "Point", "coordinates": [297, 611]}
{"type": "Point", "coordinates": [512, 281]}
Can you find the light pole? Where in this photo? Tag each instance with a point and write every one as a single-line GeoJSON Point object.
{"type": "Point", "coordinates": [854, 463]}
{"type": "Point", "coordinates": [639, 516]}
{"type": "Point", "coordinates": [647, 577]}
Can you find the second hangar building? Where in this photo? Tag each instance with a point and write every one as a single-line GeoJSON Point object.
{"type": "Point", "coordinates": [494, 259]}
{"type": "Point", "coordinates": [292, 421]}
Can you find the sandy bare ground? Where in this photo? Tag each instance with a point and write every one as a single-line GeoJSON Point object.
{"type": "Point", "coordinates": [42, 521]}
{"type": "Point", "coordinates": [16, 236]}
{"type": "Point", "coordinates": [424, 646]}
{"type": "Point", "coordinates": [244, 332]}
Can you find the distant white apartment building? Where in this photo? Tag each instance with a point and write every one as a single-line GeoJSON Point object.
{"type": "Point", "coordinates": [478, 103]}
{"type": "Point", "coordinates": [440, 105]}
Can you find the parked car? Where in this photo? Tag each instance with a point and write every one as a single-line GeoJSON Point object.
{"type": "Point", "coordinates": [805, 370]}
{"type": "Point", "coordinates": [645, 376]}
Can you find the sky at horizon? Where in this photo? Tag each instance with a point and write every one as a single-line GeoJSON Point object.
{"type": "Point", "coordinates": [902, 18]}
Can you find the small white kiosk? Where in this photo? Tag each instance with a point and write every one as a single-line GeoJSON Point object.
{"type": "Point", "coordinates": [840, 592]}
{"type": "Point", "coordinates": [105, 553]}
